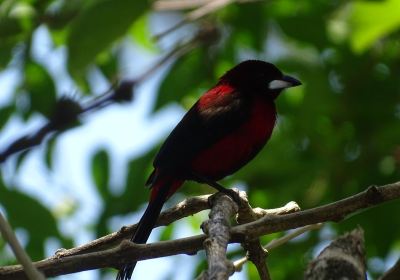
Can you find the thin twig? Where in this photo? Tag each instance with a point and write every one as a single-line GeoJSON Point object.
{"type": "Point", "coordinates": [291, 235]}
{"type": "Point", "coordinates": [279, 242]}
{"type": "Point", "coordinates": [31, 272]}
{"type": "Point", "coordinates": [177, 5]}
{"type": "Point", "coordinates": [208, 8]}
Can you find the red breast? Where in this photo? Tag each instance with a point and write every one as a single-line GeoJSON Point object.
{"type": "Point", "coordinates": [237, 148]}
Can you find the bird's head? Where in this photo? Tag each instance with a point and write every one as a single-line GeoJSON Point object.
{"type": "Point", "coordinates": [259, 77]}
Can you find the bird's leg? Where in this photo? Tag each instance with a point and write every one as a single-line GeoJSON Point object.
{"type": "Point", "coordinates": [229, 192]}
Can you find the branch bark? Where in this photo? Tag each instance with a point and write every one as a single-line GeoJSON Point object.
{"type": "Point", "coordinates": [344, 258]}
{"type": "Point", "coordinates": [187, 207]}
{"type": "Point", "coordinates": [217, 229]}
{"type": "Point", "coordinates": [393, 273]}
{"type": "Point", "coordinates": [255, 252]}
{"type": "Point", "coordinates": [335, 212]}
{"type": "Point", "coordinates": [128, 252]}
{"type": "Point", "coordinates": [278, 242]}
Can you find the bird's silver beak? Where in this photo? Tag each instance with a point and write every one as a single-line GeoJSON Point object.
{"type": "Point", "coordinates": [283, 83]}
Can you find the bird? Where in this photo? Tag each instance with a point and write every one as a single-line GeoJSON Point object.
{"type": "Point", "coordinates": [223, 131]}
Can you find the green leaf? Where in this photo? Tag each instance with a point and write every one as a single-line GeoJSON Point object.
{"type": "Point", "coordinates": [108, 64]}
{"type": "Point", "coordinates": [6, 47]}
{"type": "Point", "coordinates": [371, 20]}
{"type": "Point", "coordinates": [31, 215]}
{"type": "Point", "coordinates": [57, 19]}
{"type": "Point", "coordinates": [141, 33]}
{"type": "Point", "coordinates": [9, 27]}
{"type": "Point", "coordinates": [97, 27]}
{"type": "Point", "coordinates": [138, 172]}
{"type": "Point", "coordinates": [49, 153]}
{"type": "Point", "coordinates": [248, 33]}
{"type": "Point", "coordinates": [5, 114]}
{"type": "Point", "coordinates": [185, 77]}
{"type": "Point", "coordinates": [41, 88]}
{"type": "Point", "coordinates": [101, 172]}
{"type": "Point", "coordinates": [134, 195]}
{"type": "Point", "coordinates": [166, 233]}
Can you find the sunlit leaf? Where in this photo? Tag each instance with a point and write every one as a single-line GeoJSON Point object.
{"type": "Point", "coordinates": [372, 20]}
{"type": "Point", "coordinates": [141, 33]}
{"type": "Point", "coordinates": [166, 233]}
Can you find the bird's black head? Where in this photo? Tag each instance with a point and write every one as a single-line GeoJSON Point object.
{"type": "Point", "coordinates": [259, 77]}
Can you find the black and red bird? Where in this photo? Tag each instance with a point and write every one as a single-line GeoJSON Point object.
{"type": "Point", "coordinates": [222, 132]}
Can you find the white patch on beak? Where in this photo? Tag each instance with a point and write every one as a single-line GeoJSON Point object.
{"type": "Point", "coordinates": [279, 84]}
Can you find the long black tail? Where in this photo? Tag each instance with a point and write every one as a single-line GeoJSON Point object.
{"type": "Point", "coordinates": [145, 227]}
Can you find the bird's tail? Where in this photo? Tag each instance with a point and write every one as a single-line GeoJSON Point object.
{"type": "Point", "coordinates": [161, 190]}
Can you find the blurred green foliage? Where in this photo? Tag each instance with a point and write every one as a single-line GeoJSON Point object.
{"type": "Point", "coordinates": [336, 135]}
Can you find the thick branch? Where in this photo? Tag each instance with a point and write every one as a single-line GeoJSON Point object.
{"type": "Point", "coordinates": [187, 207]}
{"type": "Point", "coordinates": [344, 258]}
{"type": "Point", "coordinates": [217, 230]}
{"type": "Point", "coordinates": [335, 211]}
{"type": "Point", "coordinates": [128, 252]}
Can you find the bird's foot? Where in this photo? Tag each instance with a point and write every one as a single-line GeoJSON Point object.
{"type": "Point", "coordinates": [234, 195]}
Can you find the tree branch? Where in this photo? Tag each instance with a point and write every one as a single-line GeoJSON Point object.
{"type": "Point", "coordinates": [216, 243]}
{"type": "Point", "coordinates": [127, 251]}
{"type": "Point", "coordinates": [187, 207]}
{"type": "Point", "coordinates": [255, 252]}
{"type": "Point", "coordinates": [344, 258]}
{"type": "Point", "coordinates": [278, 242]}
{"type": "Point", "coordinates": [393, 273]}
{"type": "Point", "coordinates": [208, 8]}
{"type": "Point", "coordinates": [335, 211]}
{"type": "Point", "coordinates": [175, 5]}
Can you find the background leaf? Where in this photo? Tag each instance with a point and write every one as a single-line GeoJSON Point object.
{"type": "Point", "coordinates": [101, 172]}
{"type": "Point", "coordinates": [100, 24]}
{"type": "Point", "coordinates": [364, 18]}
{"type": "Point", "coordinates": [41, 88]}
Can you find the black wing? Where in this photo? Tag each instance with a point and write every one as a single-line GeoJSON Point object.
{"type": "Point", "coordinates": [198, 130]}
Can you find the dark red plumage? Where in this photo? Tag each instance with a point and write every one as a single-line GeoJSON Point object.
{"type": "Point", "coordinates": [221, 133]}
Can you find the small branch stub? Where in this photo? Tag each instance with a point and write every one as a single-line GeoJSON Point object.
{"type": "Point", "coordinates": [344, 258]}
{"type": "Point", "coordinates": [255, 252]}
{"type": "Point", "coordinates": [393, 273]}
